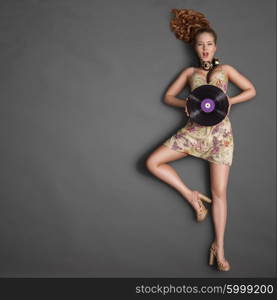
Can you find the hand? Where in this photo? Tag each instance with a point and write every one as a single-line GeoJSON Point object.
{"type": "Point", "coordinates": [186, 108]}
{"type": "Point", "coordinates": [230, 104]}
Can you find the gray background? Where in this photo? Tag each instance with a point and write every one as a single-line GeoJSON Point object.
{"type": "Point", "coordinates": [82, 84]}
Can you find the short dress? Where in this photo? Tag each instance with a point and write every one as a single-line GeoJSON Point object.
{"type": "Point", "coordinates": [212, 143]}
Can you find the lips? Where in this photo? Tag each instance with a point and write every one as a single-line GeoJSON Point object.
{"type": "Point", "coordinates": [205, 54]}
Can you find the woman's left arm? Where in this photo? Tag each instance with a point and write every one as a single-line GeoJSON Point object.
{"type": "Point", "coordinates": [243, 83]}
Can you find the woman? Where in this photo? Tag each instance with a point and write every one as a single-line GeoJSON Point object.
{"type": "Point", "coordinates": [212, 143]}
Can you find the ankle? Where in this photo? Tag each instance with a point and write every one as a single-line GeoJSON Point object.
{"type": "Point", "coordinates": [188, 195]}
{"type": "Point", "coordinates": [218, 245]}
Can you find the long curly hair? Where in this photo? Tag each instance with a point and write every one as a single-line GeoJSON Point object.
{"type": "Point", "coordinates": [188, 23]}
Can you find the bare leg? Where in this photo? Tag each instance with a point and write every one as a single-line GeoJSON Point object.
{"type": "Point", "coordinates": [219, 182]}
{"type": "Point", "coordinates": [156, 164]}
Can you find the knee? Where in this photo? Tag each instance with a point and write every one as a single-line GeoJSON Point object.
{"type": "Point", "coordinates": [151, 163]}
{"type": "Point", "coordinates": [219, 192]}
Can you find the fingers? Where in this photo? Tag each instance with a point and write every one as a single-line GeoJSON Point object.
{"type": "Point", "coordinates": [229, 109]}
{"type": "Point", "coordinates": [186, 108]}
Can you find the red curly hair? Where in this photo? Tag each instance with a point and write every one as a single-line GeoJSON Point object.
{"type": "Point", "coordinates": [188, 23]}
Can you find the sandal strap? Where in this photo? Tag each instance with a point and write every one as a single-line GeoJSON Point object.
{"type": "Point", "coordinates": [221, 264]}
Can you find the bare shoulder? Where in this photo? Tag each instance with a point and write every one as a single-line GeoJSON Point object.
{"type": "Point", "coordinates": [227, 67]}
{"type": "Point", "coordinates": [229, 70]}
{"type": "Point", "coordinates": [188, 71]}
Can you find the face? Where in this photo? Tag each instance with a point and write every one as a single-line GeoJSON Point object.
{"type": "Point", "coordinates": [205, 46]}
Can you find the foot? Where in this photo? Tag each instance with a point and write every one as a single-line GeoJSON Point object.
{"type": "Point", "coordinates": [222, 262]}
{"type": "Point", "coordinates": [194, 200]}
{"type": "Point", "coordinates": [191, 199]}
{"type": "Point", "coordinates": [197, 204]}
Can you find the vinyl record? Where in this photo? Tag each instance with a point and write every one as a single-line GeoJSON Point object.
{"type": "Point", "coordinates": [207, 105]}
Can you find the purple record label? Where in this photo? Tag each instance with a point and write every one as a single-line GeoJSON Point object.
{"type": "Point", "coordinates": [207, 105]}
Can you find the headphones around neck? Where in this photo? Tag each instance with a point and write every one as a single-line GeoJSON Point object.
{"type": "Point", "coordinates": [208, 65]}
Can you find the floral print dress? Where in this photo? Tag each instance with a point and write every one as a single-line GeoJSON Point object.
{"type": "Point", "coordinates": [213, 143]}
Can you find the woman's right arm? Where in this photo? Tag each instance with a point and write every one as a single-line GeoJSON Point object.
{"type": "Point", "coordinates": [176, 87]}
